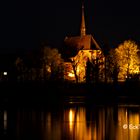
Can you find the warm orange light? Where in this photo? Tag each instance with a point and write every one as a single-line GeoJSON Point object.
{"type": "Point", "coordinates": [79, 62]}
{"type": "Point", "coordinates": [78, 69]}
{"type": "Point", "coordinates": [49, 69]}
{"type": "Point", "coordinates": [71, 74]}
{"type": "Point", "coordinates": [70, 116]}
{"type": "Point", "coordinates": [127, 58]}
{"type": "Point", "coordinates": [131, 120]}
{"type": "Point", "coordinates": [71, 119]}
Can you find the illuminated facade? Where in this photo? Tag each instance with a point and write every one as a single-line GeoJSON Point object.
{"type": "Point", "coordinates": [80, 49]}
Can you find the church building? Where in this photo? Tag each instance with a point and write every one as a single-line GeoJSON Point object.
{"type": "Point", "coordinates": [78, 51]}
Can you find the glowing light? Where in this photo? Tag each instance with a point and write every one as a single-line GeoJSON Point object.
{"type": "Point", "coordinates": [136, 71]}
{"type": "Point", "coordinates": [49, 69]}
{"type": "Point", "coordinates": [71, 74]}
{"type": "Point", "coordinates": [79, 64]}
{"type": "Point", "coordinates": [5, 73]}
{"type": "Point", "coordinates": [70, 116]}
{"type": "Point", "coordinates": [71, 119]}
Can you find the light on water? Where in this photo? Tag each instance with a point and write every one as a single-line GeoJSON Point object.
{"type": "Point", "coordinates": [77, 122]}
{"type": "Point", "coordinates": [5, 119]}
{"type": "Point", "coordinates": [71, 119]}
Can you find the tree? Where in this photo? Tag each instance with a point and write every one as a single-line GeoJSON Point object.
{"type": "Point", "coordinates": [112, 67]}
{"type": "Point", "coordinates": [88, 71]}
{"type": "Point", "coordinates": [52, 63]}
{"type": "Point", "coordinates": [78, 64]}
{"type": "Point", "coordinates": [88, 64]}
{"type": "Point", "coordinates": [127, 58]}
{"type": "Point", "coordinates": [98, 67]}
{"type": "Point", "coordinates": [106, 51]}
{"type": "Point", "coordinates": [21, 69]}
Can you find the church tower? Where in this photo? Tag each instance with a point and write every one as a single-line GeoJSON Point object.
{"type": "Point", "coordinates": [78, 50]}
{"type": "Point", "coordinates": [83, 27]}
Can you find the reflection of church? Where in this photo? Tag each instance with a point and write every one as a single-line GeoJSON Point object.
{"type": "Point", "coordinates": [78, 50]}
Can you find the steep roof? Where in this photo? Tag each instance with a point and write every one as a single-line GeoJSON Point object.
{"type": "Point", "coordinates": [76, 43]}
{"type": "Point", "coordinates": [82, 42]}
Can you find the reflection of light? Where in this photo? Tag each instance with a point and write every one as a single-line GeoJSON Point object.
{"type": "Point", "coordinates": [82, 132]}
{"type": "Point", "coordinates": [126, 115]}
{"type": "Point", "coordinates": [5, 120]}
{"type": "Point", "coordinates": [71, 102]}
{"type": "Point", "coordinates": [78, 126]}
{"type": "Point", "coordinates": [130, 119]}
{"type": "Point", "coordinates": [71, 119]}
{"type": "Point", "coordinates": [70, 116]}
{"type": "Point", "coordinates": [49, 122]}
{"type": "Point", "coordinates": [5, 73]}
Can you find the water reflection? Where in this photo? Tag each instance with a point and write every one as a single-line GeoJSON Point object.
{"type": "Point", "coordinates": [71, 119]}
{"type": "Point", "coordinates": [5, 119]}
{"type": "Point", "coordinates": [79, 123]}
{"type": "Point", "coordinates": [129, 123]}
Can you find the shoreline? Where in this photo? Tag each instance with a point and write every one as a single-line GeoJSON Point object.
{"type": "Point", "coordinates": [47, 94]}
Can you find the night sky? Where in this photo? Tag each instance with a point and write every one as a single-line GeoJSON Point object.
{"type": "Point", "coordinates": [24, 24]}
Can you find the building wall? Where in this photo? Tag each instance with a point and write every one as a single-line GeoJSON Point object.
{"type": "Point", "coordinates": [79, 64]}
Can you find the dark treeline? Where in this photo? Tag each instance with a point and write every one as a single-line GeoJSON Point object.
{"type": "Point", "coordinates": [46, 64]}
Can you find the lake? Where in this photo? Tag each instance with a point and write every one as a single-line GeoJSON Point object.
{"type": "Point", "coordinates": [72, 119]}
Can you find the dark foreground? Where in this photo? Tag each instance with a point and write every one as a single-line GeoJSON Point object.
{"type": "Point", "coordinates": [73, 122]}
{"type": "Point", "coordinates": [33, 94]}
{"type": "Point", "coordinates": [37, 114]}
{"type": "Point", "coordinates": [43, 111]}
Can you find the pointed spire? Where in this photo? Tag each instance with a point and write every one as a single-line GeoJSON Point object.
{"type": "Point", "coordinates": [83, 27]}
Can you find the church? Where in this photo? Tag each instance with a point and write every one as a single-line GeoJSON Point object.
{"type": "Point", "coordinates": [78, 51]}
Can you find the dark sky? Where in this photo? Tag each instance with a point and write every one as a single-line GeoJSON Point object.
{"type": "Point", "coordinates": [109, 21]}
{"type": "Point", "coordinates": [25, 23]}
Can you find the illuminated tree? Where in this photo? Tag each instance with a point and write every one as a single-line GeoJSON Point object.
{"type": "Point", "coordinates": [127, 58]}
{"type": "Point", "coordinates": [52, 63]}
{"type": "Point", "coordinates": [78, 64]}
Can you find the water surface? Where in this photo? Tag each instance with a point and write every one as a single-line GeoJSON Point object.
{"type": "Point", "coordinates": [73, 120]}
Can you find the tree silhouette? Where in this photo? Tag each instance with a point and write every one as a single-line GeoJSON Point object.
{"type": "Point", "coordinates": [106, 50]}
{"type": "Point", "coordinates": [112, 67]}
{"type": "Point", "coordinates": [88, 71]}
